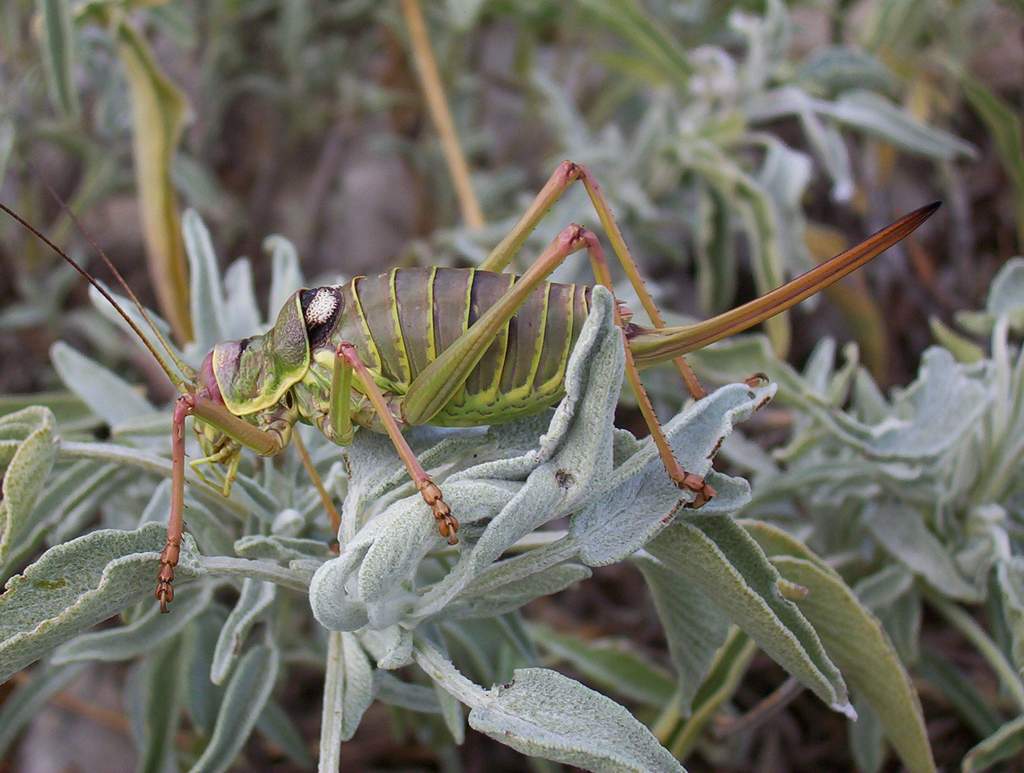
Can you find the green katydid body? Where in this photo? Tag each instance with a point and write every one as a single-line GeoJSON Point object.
{"type": "Point", "coordinates": [399, 323]}
{"type": "Point", "coordinates": [402, 322]}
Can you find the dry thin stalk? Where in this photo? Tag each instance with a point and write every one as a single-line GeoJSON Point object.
{"type": "Point", "coordinates": [318, 484]}
{"type": "Point", "coordinates": [108, 718]}
{"type": "Point", "coordinates": [437, 104]}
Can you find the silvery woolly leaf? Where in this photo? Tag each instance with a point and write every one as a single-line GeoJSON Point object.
{"type": "Point", "coordinates": [637, 500]}
{"type": "Point", "coordinates": [719, 557]}
{"type": "Point", "coordinates": [855, 639]}
{"type": "Point", "coordinates": [253, 601]}
{"type": "Point", "coordinates": [516, 594]}
{"type": "Point", "coordinates": [391, 647]}
{"type": "Point", "coordinates": [28, 444]}
{"type": "Point", "coordinates": [901, 530]}
{"type": "Point", "coordinates": [876, 115]}
{"type": "Point", "coordinates": [143, 635]}
{"type": "Point", "coordinates": [278, 548]}
{"type": "Point", "coordinates": [241, 312]}
{"type": "Point", "coordinates": [277, 727]}
{"type": "Point", "coordinates": [545, 714]}
{"type": "Point", "coordinates": [206, 295]}
{"type": "Point", "coordinates": [244, 700]}
{"type": "Point", "coordinates": [1010, 582]}
{"type": "Point", "coordinates": [202, 696]}
{"type": "Point", "coordinates": [159, 691]}
{"type": "Point", "coordinates": [103, 307]}
{"type": "Point", "coordinates": [1005, 298]}
{"type": "Point", "coordinates": [929, 416]}
{"type": "Point", "coordinates": [286, 276]}
{"type": "Point", "coordinates": [614, 665]}
{"type": "Point", "coordinates": [414, 697]}
{"type": "Point", "coordinates": [694, 627]}
{"type": "Point", "coordinates": [108, 395]}
{"type": "Point", "coordinates": [838, 68]}
{"type": "Point", "coordinates": [78, 584]}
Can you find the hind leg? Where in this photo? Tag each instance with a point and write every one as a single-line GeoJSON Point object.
{"type": "Point", "coordinates": [564, 176]}
{"type": "Point", "coordinates": [681, 477]}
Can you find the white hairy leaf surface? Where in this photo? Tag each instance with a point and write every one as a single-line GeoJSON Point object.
{"type": "Point", "coordinates": [76, 585]}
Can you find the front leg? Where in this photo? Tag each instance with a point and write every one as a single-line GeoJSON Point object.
{"type": "Point", "coordinates": [264, 442]}
{"type": "Point", "coordinates": [347, 361]}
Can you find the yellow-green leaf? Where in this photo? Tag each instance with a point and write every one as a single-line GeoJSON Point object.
{"type": "Point", "coordinates": [158, 115]}
{"type": "Point", "coordinates": [855, 639]}
{"type": "Point", "coordinates": [1004, 122]}
{"type": "Point", "coordinates": [59, 47]}
{"type": "Point", "coordinates": [1004, 744]}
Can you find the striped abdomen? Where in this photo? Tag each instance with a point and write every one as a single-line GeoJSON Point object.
{"type": "Point", "coordinates": [402, 320]}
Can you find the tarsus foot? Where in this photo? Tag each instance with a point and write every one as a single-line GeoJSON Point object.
{"type": "Point", "coordinates": [164, 583]}
{"type": "Point", "coordinates": [703, 492]}
{"type": "Point", "coordinates": [757, 380]}
{"type": "Point", "coordinates": [447, 524]}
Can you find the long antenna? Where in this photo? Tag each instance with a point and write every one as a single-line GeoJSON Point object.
{"type": "Point", "coordinates": [171, 374]}
{"type": "Point", "coordinates": [182, 366]}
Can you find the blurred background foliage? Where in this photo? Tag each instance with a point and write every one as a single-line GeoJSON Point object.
{"type": "Point", "coordinates": [739, 143]}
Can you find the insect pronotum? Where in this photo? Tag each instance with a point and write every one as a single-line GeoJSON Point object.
{"type": "Point", "coordinates": [444, 346]}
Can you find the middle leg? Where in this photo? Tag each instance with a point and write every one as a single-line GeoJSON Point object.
{"type": "Point", "coordinates": [347, 363]}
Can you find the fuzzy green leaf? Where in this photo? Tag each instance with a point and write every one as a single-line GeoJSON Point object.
{"type": "Point", "coordinates": [108, 395]}
{"type": "Point", "coordinates": [694, 627]}
{"type": "Point", "coordinates": [76, 585]}
{"type": "Point", "coordinates": [854, 638]}
{"type": "Point", "coordinates": [348, 692]}
{"type": "Point", "coordinates": [611, 664]}
{"type": "Point", "coordinates": [1005, 744]}
{"type": "Point", "coordinates": [254, 600]}
{"type": "Point", "coordinates": [244, 700]}
{"type": "Point", "coordinates": [545, 714]}
{"type": "Point", "coordinates": [144, 634]}
{"type": "Point", "coordinates": [28, 444]}
{"type": "Point", "coordinates": [717, 556]}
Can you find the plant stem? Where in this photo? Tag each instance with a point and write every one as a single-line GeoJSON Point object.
{"type": "Point", "coordinates": [440, 114]}
{"type": "Point", "coordinates": [258, 570]}
{"type": "Point", "coordinates": [988, 649]}
{"type": "Point", "coordinates": [330, 722]}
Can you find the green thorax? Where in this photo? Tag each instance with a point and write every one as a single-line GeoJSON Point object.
{"type": "Point", "coordinates": [253, 374]}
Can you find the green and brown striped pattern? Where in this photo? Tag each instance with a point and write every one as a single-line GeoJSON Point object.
{"type": "Point", "coordinates": [401, 321]}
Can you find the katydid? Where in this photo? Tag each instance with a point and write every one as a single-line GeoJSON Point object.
{"type": "Point", "coordinates": [442, 346]}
